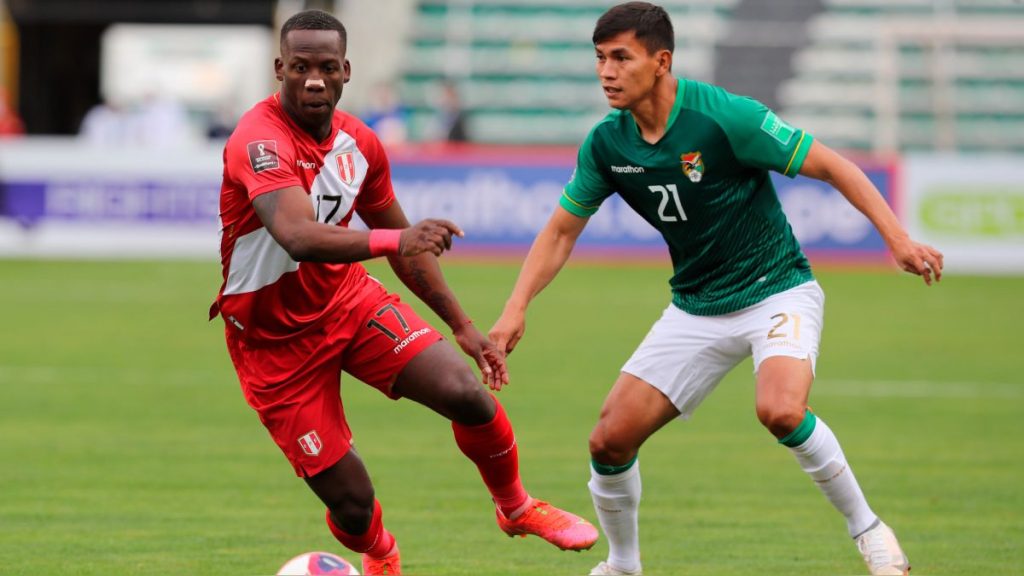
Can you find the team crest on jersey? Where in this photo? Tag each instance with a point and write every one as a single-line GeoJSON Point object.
{"type": "Point", "coordinates": [693, 165]}
{"type": "Point", "coordinates": [262, 155]}
{"type": "Point", "coordinates": [346, 167]}
{"type": "Point", "coordinates": [310, 443]}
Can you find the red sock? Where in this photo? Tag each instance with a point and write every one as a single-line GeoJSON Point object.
{"type": "Point", "coordinates": [492, 447]}
{"type": "Point", "coordinates": [376, 541]}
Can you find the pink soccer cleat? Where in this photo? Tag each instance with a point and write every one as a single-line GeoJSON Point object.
{"type": "Point", "coordinates": [389, 565]}
{"type": "Point", "coordinates": [563, 529]}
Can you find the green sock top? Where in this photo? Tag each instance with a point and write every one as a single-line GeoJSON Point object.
{"type": "Point", "coordinates": [608, 470]}
{"type": "Point", "coordinates": [802, 432]}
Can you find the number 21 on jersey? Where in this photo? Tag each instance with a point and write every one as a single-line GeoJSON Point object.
{"type": "Point", "coordinates": [666, 191]}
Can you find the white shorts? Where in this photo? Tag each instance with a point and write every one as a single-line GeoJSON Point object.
{"type": "Point", "coordinates": [686, 356]}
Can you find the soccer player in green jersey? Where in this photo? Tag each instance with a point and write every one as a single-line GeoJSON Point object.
{"type": "Point", "coordinates": [693, 161]}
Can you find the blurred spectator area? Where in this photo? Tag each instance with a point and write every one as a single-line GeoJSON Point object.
{"type": "Point", "coordinates": [58, 68]}
{"type": "Point", "coordinates": [524, 69]}
{"type": "Point", "coordinates": [912, 75]}
{"type": "Point", "coordinates": [873, 75]}
{"type": "Point", "coordinates": [881, 75]}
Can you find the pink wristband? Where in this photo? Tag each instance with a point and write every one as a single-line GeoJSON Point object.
{"type": "Point", "coordinates": [384, 242]}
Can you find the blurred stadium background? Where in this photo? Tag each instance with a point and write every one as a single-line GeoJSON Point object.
{"type": "Point", "coordinates": [483, 101]}
{"type": "Point", "coordinates": [125, 446]}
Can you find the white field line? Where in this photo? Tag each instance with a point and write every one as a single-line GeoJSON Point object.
{"type": "Point", "coordinates": [13, 375]}
{"type": "Point", "coordinates": [917, 389]}
{"type": "Point", "coordinates": [41, 374]}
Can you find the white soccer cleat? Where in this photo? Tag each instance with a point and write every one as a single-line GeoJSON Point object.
{"type": "Point", "coordinates": [606, 569]}
{"type": "Point", "coordinates": [882, 553]}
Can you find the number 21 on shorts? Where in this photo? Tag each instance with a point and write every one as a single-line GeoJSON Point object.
{"type": "Point", "coordinates": [785, 326]}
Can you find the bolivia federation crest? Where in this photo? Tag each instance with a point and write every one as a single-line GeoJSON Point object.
{"type": "Point", "coordinates": [693, 165]}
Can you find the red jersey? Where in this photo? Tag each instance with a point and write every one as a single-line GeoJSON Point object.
{"type": "Point", "coordinates": [266, 295]}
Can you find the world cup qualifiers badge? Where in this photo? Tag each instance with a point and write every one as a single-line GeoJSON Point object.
{"type": "Point", "coordinates": [693, 166]}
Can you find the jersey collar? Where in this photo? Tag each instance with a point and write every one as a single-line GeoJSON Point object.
{"type": "Point", "coordinates": [676, 107]}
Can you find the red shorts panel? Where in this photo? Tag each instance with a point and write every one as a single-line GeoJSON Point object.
{"type": "Point", "coordinates": [295, 386]}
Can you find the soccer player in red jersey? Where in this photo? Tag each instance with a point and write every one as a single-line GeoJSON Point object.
{"type": "Point", "coordinates": [299, 308]}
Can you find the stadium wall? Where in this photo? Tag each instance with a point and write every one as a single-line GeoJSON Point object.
{"type": "Point", "coordinates": [59, 198]}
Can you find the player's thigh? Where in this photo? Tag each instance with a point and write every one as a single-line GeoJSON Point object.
{"type": "Point", "coordinates": [785, 334]}
{"type": "Point", "coordinates": [383, 337]}
{"type": "Point", "coordinates": [787, 324]}
{"type": "Point", "coordinates": [294, 388]}
{"type": "Point", "coordinates": [400, 354]}
{"type": "Point", "coordinates": [632, 411]}
{"type": "Point", "coordinates": [439, 378]}
{"type": "Point", "coordinates": [685, 357]}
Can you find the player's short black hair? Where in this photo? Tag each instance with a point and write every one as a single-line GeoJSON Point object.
{"type": "Point", "coordinates": [314, 20]}
{"type": "Point", "coordinates": [649, 22]}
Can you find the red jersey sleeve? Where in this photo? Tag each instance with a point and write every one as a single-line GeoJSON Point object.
{"type": "Point", "coordinates": [377, 192]}
{"type": "Point", "coordinates": [260, 157]}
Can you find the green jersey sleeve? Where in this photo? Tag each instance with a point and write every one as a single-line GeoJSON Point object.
{"type": "Point", "coordinates": [760, 138]}
{"type": "Point", "coordinates": [588, 187]}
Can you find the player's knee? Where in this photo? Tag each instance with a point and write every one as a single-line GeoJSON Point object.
{"type": "Point", "coordinates": [609, 448]}
{"type": "Point", "coordinates": [353, 511]}
{"type": "Point", "coordinates": [467, 401]}
{"type": "Point", "coordinates": [778, 419]}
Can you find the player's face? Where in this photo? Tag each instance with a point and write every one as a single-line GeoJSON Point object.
{"type": "Point", "coordinates": [627, 70]}
{"type": "Point", "coordinates": [312, 70]}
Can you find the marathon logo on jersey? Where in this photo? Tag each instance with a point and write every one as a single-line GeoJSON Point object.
{"type": "Point", "coordinates": [310, 443]}
{"type": "Point", "coordinates": [346, 167]}
{"type": "Point", "coordinates": [627, 169]}
{"type": "Point", "coordinates": [693, 165]}
{"type": "Point", "coordinates": [410, 338]}
{"type": "Point", "coordinates": [263, 155]}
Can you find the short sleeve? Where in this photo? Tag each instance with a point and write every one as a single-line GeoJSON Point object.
{"type": "Point", "coordinates": [260, 157]}
{"type": "Point", "coordinates": [588, 187]}
{"type": "Point", "coordinates": [377, 192]}
{"type": "Point", "coordinates": [760, 138]}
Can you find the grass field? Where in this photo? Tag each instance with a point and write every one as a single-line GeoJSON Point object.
{"type": "Point", "coordinates": [126, 446]}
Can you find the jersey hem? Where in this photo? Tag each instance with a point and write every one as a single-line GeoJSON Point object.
{"type": "Point", "coordinates": [703, 310]}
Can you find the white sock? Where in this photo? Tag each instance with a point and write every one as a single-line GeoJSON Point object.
{"type": "Point", "coordinates": [617, 501]}
{"type": "Point", "coordinates": [823, 460]}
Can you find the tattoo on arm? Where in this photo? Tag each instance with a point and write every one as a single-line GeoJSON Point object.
{"type": "Point", "coordinates": [418, 279]}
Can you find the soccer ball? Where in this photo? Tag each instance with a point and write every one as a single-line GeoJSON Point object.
{"type": "Point", "coordinates": [317, 563]}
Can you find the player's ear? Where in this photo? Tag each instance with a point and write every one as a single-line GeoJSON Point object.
{"type": "Point", "coordinates": [664, 58]}
{"type": "Point", "coordinates": [279, 69]}
{"type": "Point", "coordinates": [348, 72]}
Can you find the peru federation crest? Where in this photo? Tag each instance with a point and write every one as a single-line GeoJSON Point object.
{"type": "Point", "coordinates": [346, 167]}
{"type": "Point", "coordinates": [693, 165]}
{"type": "Point", "coordinates": [310, 443]}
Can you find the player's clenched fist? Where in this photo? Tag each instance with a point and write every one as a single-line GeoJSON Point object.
{"type": "Point", "coordinates": [431, 235]}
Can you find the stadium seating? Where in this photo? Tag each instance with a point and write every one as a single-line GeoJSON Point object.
{"type": "Point", "coordinates": [912, 75]}
{"type": "Point", "coordinates": [866, 74]}
{"type": "Point", "coordinates": [524, 69]}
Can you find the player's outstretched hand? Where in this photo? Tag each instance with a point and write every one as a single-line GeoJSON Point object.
{"type": "Point", "coordinates": [431, 235]}
{"type": "Point", "coordinates": [508, 330]}
{"type": "Point", "coordinates": [489, 359]}
{"type": "Point", "coordinates": [920, 259]}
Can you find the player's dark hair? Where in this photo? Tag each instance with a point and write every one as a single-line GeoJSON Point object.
{"type": "Point", "coordinates": [314, 20]}
{"type": "Point", "coordinates": [650, 23]}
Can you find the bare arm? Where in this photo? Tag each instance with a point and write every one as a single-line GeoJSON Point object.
{"type": "Point", "coordinates": [549, 253]}
{"type": "Point", "coordinates": [422, 274]}
{"type": "Point", "coordinates": [288, 215]}
{"type": "Point", "coordinates": [823, 163]}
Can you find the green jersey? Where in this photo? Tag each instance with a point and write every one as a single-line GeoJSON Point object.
{"type": "Point", "coordinates": [705, 186]}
